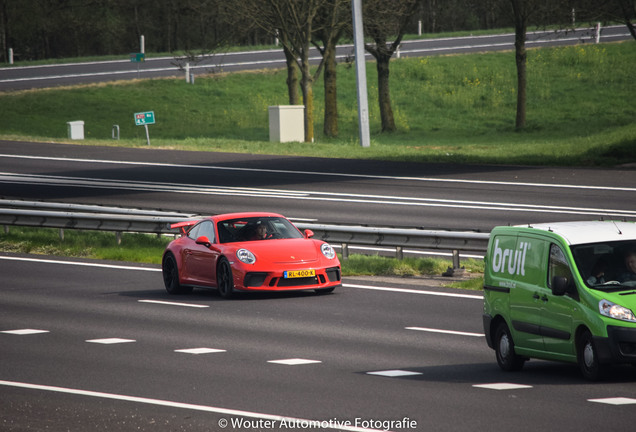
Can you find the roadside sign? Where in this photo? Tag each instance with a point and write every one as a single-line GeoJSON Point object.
{"type": "Point", "coordinates": [137, 57]}
{"type": "Point", "coordinates": [144, 118]}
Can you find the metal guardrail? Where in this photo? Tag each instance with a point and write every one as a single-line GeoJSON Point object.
{"type": "Point", "coordinates": [87, 217]}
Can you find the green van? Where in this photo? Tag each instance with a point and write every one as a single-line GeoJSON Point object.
{"type": "Point", "coordinates": [562, 291]}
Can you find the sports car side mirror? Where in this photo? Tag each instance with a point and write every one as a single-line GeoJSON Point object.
{"type": "Point", "coordinates": [309, 233]}
{"type": "Point", "coordinates": [203, 240]}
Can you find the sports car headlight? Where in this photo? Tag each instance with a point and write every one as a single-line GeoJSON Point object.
{"type": "Point", "coordinates": [245, 256]}
{"type": "Point", "coordinates": [615, 311]}
{"type": "Point", "coordinates": [328, 251]}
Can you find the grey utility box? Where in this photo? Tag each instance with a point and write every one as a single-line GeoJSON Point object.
{"type": "Point", "coordinates": [76, 130]}
{"type": "Point", "coordinates": [287, 123]}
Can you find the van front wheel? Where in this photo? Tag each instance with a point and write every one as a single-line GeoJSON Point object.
{"type": "Point", "coordinates": [588, 357]}
{"type": "Point", "coordinates": [507, 359]}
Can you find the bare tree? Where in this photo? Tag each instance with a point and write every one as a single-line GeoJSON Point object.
{"type": "Point", "coordinates": [384, 20]}
{"type": "Point", "coordinates": [293, 21]}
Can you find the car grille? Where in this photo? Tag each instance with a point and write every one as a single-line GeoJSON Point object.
{"type": "Point", "coordinates": [282, 282]}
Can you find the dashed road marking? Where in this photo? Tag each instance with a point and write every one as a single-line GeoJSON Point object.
{"type": "Point", "coordinates": [23, 332]}
{"type": "Point", "coordinates": [110, 341]}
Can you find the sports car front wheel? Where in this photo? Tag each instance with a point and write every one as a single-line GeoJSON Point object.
{"type": "Point", "coordinates": [171, 276]}
{"type": "Point", "coordinates": [224, 279]}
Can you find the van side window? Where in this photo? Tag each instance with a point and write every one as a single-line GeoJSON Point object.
{"type": "Point", "coordinates": [558, 265]}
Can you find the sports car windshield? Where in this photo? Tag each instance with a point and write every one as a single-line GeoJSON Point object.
{"type": "Point", "coordinates": [256, 229]}
{"type": "Point", "coordinates": [607, 266]}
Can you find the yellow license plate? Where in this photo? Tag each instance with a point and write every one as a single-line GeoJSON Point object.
{"type": "Point", "coordinates": [299, 273]}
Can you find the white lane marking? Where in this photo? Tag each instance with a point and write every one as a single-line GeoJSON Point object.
{"type": "Point", "coordinates": [110, 341]}
{"type": "Point", "coordinates": [199, 350]}
{"type": "Point", "coordinates": [23, 332]}
{"type": "Point", "coordinates": [290, 421]}
{"type": "Point", "coordinates": [294, 361]}
{"type": "Point", "coordinates": [369, 287]}
{"type": "Point", "coordinates": [413, 291]}
{"type": "Point", "coordinates": [78, 263]}
{"type": "Point", "coordinates": [173, 303]}
{"type": "Point", "coordinates": [394, 373]}
{"type": "Point", "coordinates": [96, 183]}
{"type": "Point", "coordinates": [614, 401]}
{"type": "Point", "coordinates": [453, 332]}
{"type": "Point", "coordinates": [326, 174]}
{"type": "Point", "coordinates": [502, 386]}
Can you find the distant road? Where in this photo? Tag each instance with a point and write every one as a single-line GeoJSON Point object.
{"type": "Point", "coordinates": [42, 76]}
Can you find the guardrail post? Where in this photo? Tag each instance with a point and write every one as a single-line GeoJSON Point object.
{"type": "Point", "coordinates": [455, 259]}
{"type": "Point", "coordinates": [345, 251]}
{"type": "Point", "coordinates": [399, 252]}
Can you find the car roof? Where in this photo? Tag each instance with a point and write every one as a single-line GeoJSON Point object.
{"type": "Point", "coordinates": [589, 231]}
{"type": "Point", "coordinates": [239, 215]}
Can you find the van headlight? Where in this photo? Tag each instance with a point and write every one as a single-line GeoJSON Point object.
{"type": "Point", "coordinates": [615, 311]}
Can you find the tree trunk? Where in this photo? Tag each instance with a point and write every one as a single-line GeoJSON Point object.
{"type": "Point", "coordinates": [308, 99]}
{"type": "Point", "coordinates": [520, 17]}
{"type": "Point", "coordinates": [384, 95]}
{"type": "Point", "coordinates": [521, 60]}
{"type": "Point", "coordinates": [330, 127]}
{"type": "Point", "coordinates": [292, 78]}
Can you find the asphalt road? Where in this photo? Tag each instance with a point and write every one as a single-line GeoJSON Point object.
{"type": "Point", "coordinates": [26, 77]}
{"type": "Point", "coordinates": [440, 196]}
{"type": "Point", "coordinates": [101, 348]}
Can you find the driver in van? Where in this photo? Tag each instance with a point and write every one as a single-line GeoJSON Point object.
{"type": "Point", "coordinates": [630, 265]}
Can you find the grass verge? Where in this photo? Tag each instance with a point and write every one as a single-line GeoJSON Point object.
{"type": "Point", "coordinates": [146, 248]}
{"type": "Point", "coordinates": [455, 109]}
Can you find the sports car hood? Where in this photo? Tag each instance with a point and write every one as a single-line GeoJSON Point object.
{"type": "Point", "coordinates": [285, 251]}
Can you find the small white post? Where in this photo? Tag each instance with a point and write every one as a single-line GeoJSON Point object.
{"type": "Point", "coordinates": [187, 72]}
{"type": "Point", "coordinates": [10, 55]}
{"type": "Point", "coordinates": [419, 28]}
{"type": "Point", "coordinates": [598, 32]}
{"type": "Point", "coordinates": [142, 44]}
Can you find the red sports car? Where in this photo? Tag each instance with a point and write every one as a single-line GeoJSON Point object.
{"type": "Point", "coordinates": [248, 252]}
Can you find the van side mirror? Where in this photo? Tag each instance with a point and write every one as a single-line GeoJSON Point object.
{"type": "Point", "coordinates": [308, 233]}
{"type": "Point", "coordinates": [204, 241]}
{"type": "Point", "coordinates": [559, 285]}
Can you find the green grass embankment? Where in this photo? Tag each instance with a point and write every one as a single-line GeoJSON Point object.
{"type": "Point", "coordinates": [457, 109]}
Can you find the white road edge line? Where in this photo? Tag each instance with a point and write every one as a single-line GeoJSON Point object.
{"type": "Point", "coordinates": [453, 332]}
{"type": "Point", "coordinates": [120, 267]}
{"type": "Point", "coordinates": [323, 173]}
{"type": "Point", "coordinates": [78, 263]}
{"type": "Point", "coordinates": [292, 421]}
{"type": "Point", "coordinates": [413, 291]}
{"type": "Point", "coordinates": [173, 303]}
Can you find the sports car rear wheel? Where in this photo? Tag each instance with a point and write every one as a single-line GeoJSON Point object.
{"type": "Point", "coordinates": [224, 279]}
{"type": "Point", "coordinates": [171, 276]}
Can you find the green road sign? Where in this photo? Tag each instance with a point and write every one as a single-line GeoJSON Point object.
{"type": "Point", "coordinates": [145, 118]}
{"type": "Point", "coordinates": [137, 57]}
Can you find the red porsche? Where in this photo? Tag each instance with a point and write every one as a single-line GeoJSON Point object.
{"type": "Point", "coordinates": [248, 252]}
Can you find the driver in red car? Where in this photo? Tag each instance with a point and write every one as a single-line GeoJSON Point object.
{"type": "Point", "coordinates": [261, 233]}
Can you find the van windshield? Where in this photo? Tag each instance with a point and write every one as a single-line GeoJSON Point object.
{"type": "Point", "coordinates": [607, 266]}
